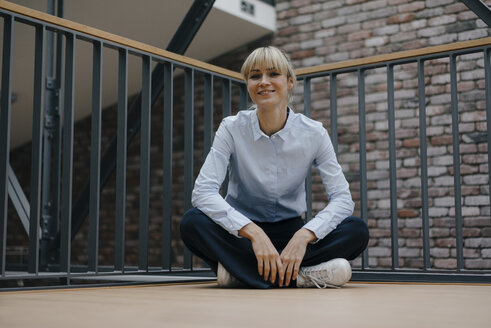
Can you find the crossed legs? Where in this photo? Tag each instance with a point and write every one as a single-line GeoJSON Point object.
{"type": "Point", "coordinates": [213, 244]}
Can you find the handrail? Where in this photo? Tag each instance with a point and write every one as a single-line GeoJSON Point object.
{"type": "Point", "coordinates": [401, 55]}
{"type": "Point", "coordinates": [229, 73]}
{"type": "Point", "coordinates": [116, 39]}
{"type": "Point", "coordinates": [67, 268]}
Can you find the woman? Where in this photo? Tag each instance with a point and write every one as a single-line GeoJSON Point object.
{"type": "Point", "coordinates": [255, 237]}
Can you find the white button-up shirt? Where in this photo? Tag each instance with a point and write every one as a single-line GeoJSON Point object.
{"type": "Point", "coordinates": [267, 174]}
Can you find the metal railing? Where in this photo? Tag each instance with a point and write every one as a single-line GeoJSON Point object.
{"type": "Point", "coordinates": [359, 70]}
{"type": "Point", "coordinates": [74, 34]}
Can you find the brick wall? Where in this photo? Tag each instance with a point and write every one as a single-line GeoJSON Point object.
{"type": "Point", "coordinates": [318, 32]}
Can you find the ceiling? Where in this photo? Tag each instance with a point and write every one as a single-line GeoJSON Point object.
{"type": "Point", "coordinates": [154, 22]}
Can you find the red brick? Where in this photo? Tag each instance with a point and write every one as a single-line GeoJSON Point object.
{"type": "Point", "coordinates": [441, 140]}
{"type": "Point", "coordinates": [471, 253]}
{"type": "Point", "coordinates": [439, 232]}
{"type": "Point", "coordinates": [445, 264]}
{"type": "Point", "coordinates": [465, 169]}
{"type": "Point", "coordinates": [401, 18]}
{"type": "Point", "coordinates": [440, 252]}
{"type": "Point", "coordinates": [359, 35]}
{"type": "Point", "coordinates": [473, 116]}
{"type": "Point", "coordinates": [466, 15]}
{"type": "Point", "coordinates": [455, 8]}
{"type": "Point", "coordinates": [302, 54]}
{"type": "Point", "coordinates": [469, 190]}
{"type": "Point", "coordinates": [468, 148]}
{"type": "Point", "coordinates": [407, 193]}
{"type": "Point", "coordinates": [437, 192]}
{"type": "Point", "coordinates": [477, 222]}
{"type": "Point", "coordinates": [300, 3]}
{"type": "Point", "coordinates": [416, 202]}
{"type": "Point", "coordinates": [414, 242]}
{"type": "Point", "coordinates": [407, 213]}
{"type": "Point", "coordinates": [475, 158]}
{"type": "Point", "coordinates": [411, 143]}
{"type": "Point", "coordinates": [376, 233]}
{"type": "Point", "coordinates": [386, 262]}
{"type": "Point", "coordinates": [445, 242]}
{"type": "Point", "coordinates": [287, 14]}
{"type": "Point", "coordinates": [471, 232]}
{"type": "Point", "coordinates": [413, 263]}
{"type": "Point", "coordinates": [477, 264]}
{"type": "Point", "coordinates": [412, 7]}
{"type": "Point", "coordinates": [407, 173]}
{"type": "Point", "coordinates": [291, 30]}
{"type": "Point", "coordinates": [409, 233]}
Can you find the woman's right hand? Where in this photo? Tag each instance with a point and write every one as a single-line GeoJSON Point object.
{"type": "Point", "coordinates": [269, 263]}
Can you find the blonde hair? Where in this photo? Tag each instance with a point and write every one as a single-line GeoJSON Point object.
{"type": "Point", "coordinates": [270, 57]}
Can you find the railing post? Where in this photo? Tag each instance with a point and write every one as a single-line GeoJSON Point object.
{"type": "Point", "coordinates": [363, 155]}
{"type": "Point", "coordinates": [333, 102]}
{"type": "Point", "coordinates": [5, 103]}
{"type": "Point", "coordinates": [168, 101]}
{"type": "Point", "coordinates": [67, 176]}
{"type": "Point", "coordinates": [244, 97]}
{"type": "Point", "coordinates": [145, 163]}
{"type": "Point", "coordinates": [226, 111]}
{"type": "Point", "coordinates": [424, 164]}
{"type": "Point", "coordinates": [56, 145]}
{"type": "Point", "coordinates": [121, 159]}
{"type": "Point", "coordinates": [49, 224]}
{"type": "Point", "coordinates": [37, 145]}
{"type": "Point", "coordinates": [308, 179]}
{"type": "Point", "coordinates": [456, 161]}
{"type": "Point", "coordinates": [188, 150]}
{"type": "Point", "coordinates": [226, 97]}
{"type": "Point", "coordinates": [208, 115]}
{"type": "Point", "coordinates": [392, 168]}
{"type": "Point", "coordinates": [95, 157]}
{"type": "Point", "coordinates": [487, 91]}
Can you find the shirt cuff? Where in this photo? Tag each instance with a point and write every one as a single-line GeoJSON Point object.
{"type": "Point", "coordinates": [236, 221]}
{"type": "Point", "coordinates": [319, 228]}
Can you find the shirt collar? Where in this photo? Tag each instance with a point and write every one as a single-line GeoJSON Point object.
{"type": "Point", "coordinates": [258, 133]}
{"type": "Point", "coordinates": [283, 133]}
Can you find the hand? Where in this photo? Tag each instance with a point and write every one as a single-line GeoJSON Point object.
{"type": "Point", "coordinates": [268, 260]}
{"type": "Point", "coordinates": [293, 254]}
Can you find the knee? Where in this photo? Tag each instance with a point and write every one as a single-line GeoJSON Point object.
{"type": "Point", "coordinates": [358, 230]}
{"type": "Point", "coordinates": [190, 221]}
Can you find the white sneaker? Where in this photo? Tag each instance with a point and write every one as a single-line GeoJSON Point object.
{"type": "Point", "coordinates": [225, 279]}
{"type": "Point", "coordinates": [333, 273]}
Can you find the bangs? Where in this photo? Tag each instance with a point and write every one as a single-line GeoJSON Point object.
{"type": "Point", "coordinates": [267, 57]}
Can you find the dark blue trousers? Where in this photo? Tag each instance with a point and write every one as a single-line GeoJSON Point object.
{"type": "Point", "coordinates": [214, 244]}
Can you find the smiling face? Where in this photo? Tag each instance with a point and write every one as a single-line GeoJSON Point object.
{"type": "Point", "coordinates": [269, 87]}
{"type": "Point", "coordinates": [270, 77]}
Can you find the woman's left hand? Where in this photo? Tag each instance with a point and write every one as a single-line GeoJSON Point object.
{"type": "Point", "coordinates": [293, 254]}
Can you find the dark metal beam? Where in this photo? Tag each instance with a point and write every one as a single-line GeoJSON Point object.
{"type": "Point", "coordinates": [179, 44]}
{"type": "Point", "coordinates": [480, 9]}
{"type": "Point", "coordinates": [190, 25]}
{"type": "Point", "coordinates": [51, 138]}
{"type": "Point", "coordinates": [19, 199]}
{"type": "Point", "coordinates": [420, 277]}
{"type": "Point", "coordinates": [5, 114]}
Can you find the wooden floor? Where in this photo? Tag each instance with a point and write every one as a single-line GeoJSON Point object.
{"type": "Point", "coordinates": [205, 305]}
